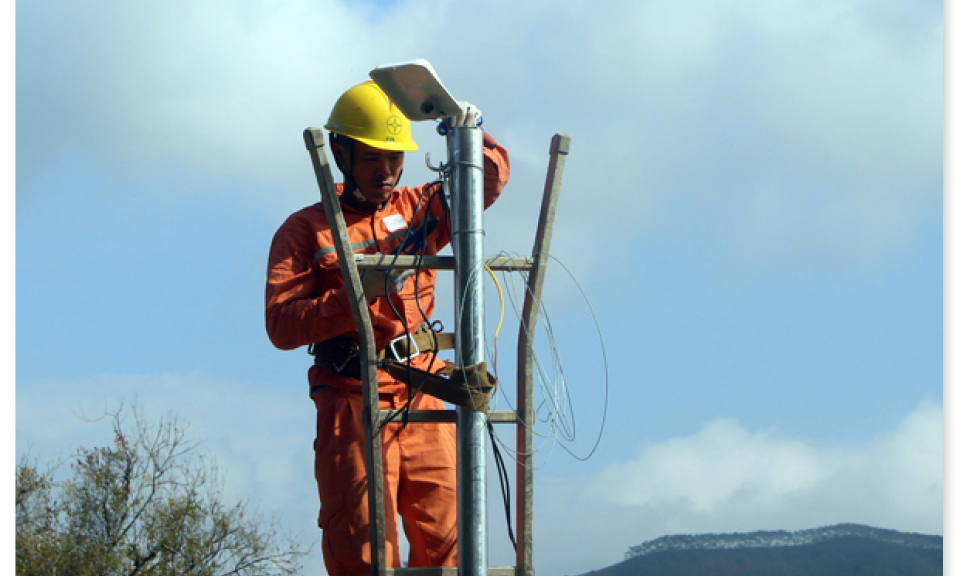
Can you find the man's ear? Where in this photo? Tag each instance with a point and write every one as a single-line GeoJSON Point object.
{"type": "Point", "coordinates": [339, 154]}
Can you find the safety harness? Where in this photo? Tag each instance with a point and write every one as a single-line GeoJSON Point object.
{"type": "Point", "coordinates": [469, 386]}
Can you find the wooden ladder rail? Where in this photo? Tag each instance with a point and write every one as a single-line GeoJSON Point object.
{"type": "Point", "coordinates": [535, 265]}
{"type": "Point", "coordinates": [313, 138]}
{"type": "Point", "coordinates": [559, 149]}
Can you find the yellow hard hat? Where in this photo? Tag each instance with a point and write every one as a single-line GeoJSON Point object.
{"type": "Point", "coordinates": [366, 114]}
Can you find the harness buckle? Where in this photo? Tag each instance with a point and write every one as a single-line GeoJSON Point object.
{"type": "Point", "coordinates": [392, 346]}
{"type": "Point", "coordinates": [346, 360]}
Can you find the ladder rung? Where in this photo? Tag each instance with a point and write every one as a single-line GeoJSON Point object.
{"type": "Point", "coordinates": [494, 416]}
{"type": "Point", "coordinates": [446, 571]}
{"type": "Point", "coordinates": [505, 263]}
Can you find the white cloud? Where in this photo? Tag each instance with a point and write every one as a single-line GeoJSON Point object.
{"type": "Point", "coordinates": [784, 128]}
{"type": "Point", "coordinates": [724, 466]}
{"type": "Point", "coordinates": [707, 470]}
{"type": "Point", "coordinates": [728, 479]}
{"type": "Point", "coordinates": [210, 84]}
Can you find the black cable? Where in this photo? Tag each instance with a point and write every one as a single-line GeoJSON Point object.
{"type": "Point", "coordinates": [504, 483]}
{"type": "Point", "coordinates": [411, 393]}
{"type": "Point", "coordinates": [411, 390]}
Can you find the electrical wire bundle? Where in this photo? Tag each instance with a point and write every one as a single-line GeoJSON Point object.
{"type": "Point", "coordinates": [555, 406]}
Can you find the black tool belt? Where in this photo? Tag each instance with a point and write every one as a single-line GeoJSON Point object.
{"type": "Point", "coordinates": [469, 386]}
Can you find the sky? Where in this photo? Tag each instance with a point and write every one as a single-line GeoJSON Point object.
{"type": "Point", "coordinates": [745, 297]}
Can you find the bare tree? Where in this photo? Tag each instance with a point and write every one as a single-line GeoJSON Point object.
{"type": "Point", "coordinates": [149, 505]}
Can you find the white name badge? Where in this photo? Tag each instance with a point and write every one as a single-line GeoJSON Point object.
{"type": "Point", "coordinates": [394, 222]}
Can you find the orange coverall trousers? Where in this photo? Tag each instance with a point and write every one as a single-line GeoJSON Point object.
{"type": "Point", "coordinates": [420, 483]}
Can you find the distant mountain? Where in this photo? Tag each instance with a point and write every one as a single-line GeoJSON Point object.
{"type": "Point", "coordinates": [771, 539]}
{"type": "Point", "coordinates": [842, 550]}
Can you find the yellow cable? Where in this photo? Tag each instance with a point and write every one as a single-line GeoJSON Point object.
{"type": "Point", "coordinates": [500, 292]}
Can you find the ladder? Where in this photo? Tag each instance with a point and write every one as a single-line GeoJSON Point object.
{"type": "Point", "coordinates": [523, 417]}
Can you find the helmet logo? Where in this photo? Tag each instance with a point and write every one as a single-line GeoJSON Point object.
{"type": "Point", "coordinates": [394, 125]}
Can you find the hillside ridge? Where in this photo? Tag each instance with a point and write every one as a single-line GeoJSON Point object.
{"type": "Point", "coordinates": [781, 538]}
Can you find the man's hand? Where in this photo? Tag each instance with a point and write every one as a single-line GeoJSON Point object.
{"type": "Point", "coordinates": [469, 118]}
{"type": "Point", "coordinates": [377, 282]}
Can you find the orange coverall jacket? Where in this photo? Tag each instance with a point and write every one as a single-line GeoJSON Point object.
{"type": "Point", "coordinates": [306, 302]}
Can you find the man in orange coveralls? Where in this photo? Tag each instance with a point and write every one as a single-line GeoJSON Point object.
{"type": "Point", "coordinates": [306, 304]}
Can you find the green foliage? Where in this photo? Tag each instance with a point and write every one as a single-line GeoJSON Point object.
{"type": "Point", "coordinates": [146, 506]}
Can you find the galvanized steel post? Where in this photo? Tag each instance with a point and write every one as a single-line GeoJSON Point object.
{"type": "Point", "coordinates": [465, 158]}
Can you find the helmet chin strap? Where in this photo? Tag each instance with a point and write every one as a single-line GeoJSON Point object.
{"type": "Point", "coordinates": [353, 189]}
{"type": "Point", "coordinates": [349, 181]}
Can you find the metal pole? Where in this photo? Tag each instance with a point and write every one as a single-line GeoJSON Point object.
{"type": "Point", "coordinates": [465, 157]}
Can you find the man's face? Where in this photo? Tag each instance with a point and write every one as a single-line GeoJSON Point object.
{"type": "Point", "coordinates": [375, 171]}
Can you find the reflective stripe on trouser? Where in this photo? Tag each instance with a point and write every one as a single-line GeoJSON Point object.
{"type": "Point", "coordinates": [420, 481]}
